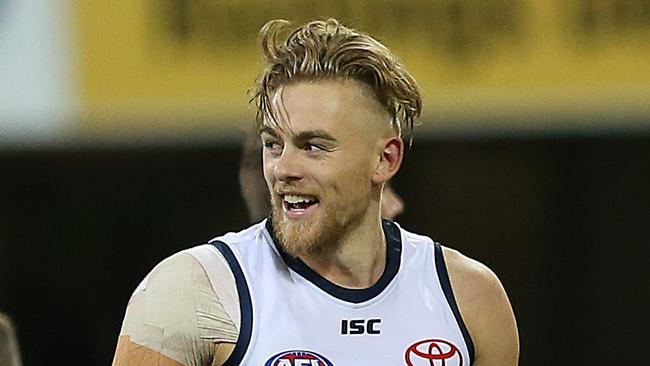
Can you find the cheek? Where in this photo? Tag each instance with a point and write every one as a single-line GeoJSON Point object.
{"type": "Point", "coordinates": [361, 169]}
{"type": "Point", "coordinates": [351, 178]}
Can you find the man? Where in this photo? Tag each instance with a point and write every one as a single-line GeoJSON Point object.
{"type": "Point", "coordinates": [325, 281]}
{"type": "Point", "coordinates": [9, 353]}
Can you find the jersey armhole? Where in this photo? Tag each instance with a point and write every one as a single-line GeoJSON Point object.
{"type": "Point", "coordinates": [245, 304]}
{"type": "Point", "coordinates": [445, 283]}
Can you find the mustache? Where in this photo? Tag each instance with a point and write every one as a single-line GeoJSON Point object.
{"type": "Point", "coordinates": [289, 187]}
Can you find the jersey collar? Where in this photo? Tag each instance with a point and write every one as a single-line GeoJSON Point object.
{"type": "Point", "coordinates": [393, 259]}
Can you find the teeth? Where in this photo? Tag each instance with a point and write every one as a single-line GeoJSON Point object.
{"type": "Point", "coordinates": [297, 199]}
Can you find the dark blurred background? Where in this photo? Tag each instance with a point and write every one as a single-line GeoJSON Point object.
{"type": "Point", "coordinates": [121, 127]}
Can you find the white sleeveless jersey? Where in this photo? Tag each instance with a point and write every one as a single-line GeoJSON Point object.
{"type": "Point", "coordinates": [291, 316]}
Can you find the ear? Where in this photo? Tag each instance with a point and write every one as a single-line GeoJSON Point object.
{"type": "Point", "coordinates": [390, 160]}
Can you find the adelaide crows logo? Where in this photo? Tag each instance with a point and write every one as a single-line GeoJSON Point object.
{"type": "Point", "coordinates": [298, 358]}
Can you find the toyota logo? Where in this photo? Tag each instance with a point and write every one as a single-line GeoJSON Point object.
{"type": "Point", "coordinates": [433, 352]}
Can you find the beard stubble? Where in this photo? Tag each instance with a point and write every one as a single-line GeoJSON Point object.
{"type": "Point", "coordinates": [316, 236]}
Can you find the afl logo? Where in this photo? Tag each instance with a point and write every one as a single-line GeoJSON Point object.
{"type": "Point", "coordinates": [298, 358]}
{"type": "Point", "coordinates": [433, 352]}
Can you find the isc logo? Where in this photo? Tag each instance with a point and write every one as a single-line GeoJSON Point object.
{"type": "Point", "coordinates": [360, 326]}
{"type": "Point", "coordinates": [298, 358]}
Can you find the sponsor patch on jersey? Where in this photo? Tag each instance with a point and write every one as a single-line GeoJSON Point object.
{"type": "Point", "coordinates": [298, 358]}
{"type": "Point", "coordinates": [433, 352]}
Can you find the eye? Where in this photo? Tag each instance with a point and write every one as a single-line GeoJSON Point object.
{"type": "Point", "coordinates": [272, 145]}
{"type": "Point", "coordinates": [313, 148]}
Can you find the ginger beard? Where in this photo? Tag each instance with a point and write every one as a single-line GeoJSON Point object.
{"type": "Point", "coordinates": [323, 231]}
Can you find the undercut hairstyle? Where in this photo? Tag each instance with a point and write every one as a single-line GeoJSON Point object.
{"type": "Point", "coordinates": [321, 50]}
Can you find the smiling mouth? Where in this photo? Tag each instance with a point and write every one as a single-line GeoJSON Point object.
{"type": "Point", "coordinates": [298, 205]}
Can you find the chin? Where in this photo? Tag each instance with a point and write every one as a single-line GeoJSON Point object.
{"type": "Point", "coordinates": [303, 237]}
{"type": "Point", "coordinates": [297, 238]}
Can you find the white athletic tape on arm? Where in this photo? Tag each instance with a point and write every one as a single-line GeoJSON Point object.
{"type": "Point", "coordinates": [221, 278]}
{"type": "Point", "coordinates": [176, 312]}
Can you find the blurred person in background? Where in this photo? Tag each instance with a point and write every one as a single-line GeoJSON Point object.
{"type": "Point", "coordinates": [9, 351]}
{"type": "Point", "coordinates": [325, 280]}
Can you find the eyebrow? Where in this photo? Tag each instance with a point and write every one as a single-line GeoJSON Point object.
{"type": "Point", "coordinates": [315, 134]}
{"type": "Point", "coordinates": [267, 129]}
{"type": "Point", "coordinates": [302, 136]}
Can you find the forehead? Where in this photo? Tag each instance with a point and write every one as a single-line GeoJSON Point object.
{"type": "Point", "coordinates": [331, 105]}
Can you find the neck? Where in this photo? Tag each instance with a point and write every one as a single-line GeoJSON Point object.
{"type": "Point", "coordinates": [358, 260]}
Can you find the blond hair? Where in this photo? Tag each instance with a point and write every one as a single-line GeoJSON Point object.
{"type": "Point", "coordinates": [328, 50]}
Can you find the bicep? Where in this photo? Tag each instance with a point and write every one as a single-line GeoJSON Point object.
{"type": "Point", "coordinates": [496, 329]}
{"type": "Point", "coordinates": [485, 307]}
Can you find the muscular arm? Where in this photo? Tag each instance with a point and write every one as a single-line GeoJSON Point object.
{"type": "Point", "coordinates": [175, 318]}
{"type": "Point", "coordinates": [486, 310]}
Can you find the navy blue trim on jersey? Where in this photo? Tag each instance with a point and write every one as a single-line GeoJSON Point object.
{"type": "Point", "coordinates": [245, 304]}
{"type": "Point", "coordinates": [443, 276]}
{"type": "Point", "coordinates": [393, 259]}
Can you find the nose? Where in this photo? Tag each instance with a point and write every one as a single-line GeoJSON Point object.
{"type": "Point", "coordinates": [288, 166]}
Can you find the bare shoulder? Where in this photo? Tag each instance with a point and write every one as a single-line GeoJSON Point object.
{"type": "Point", "coordinates": [485, 308]}
{"type": "Point", "coordinates": [470, 278]}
